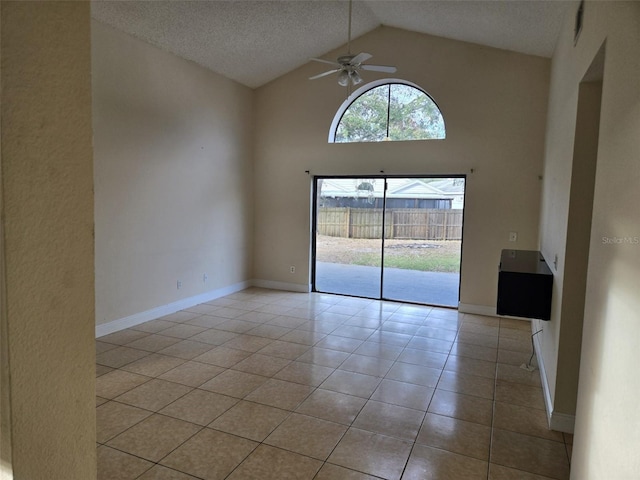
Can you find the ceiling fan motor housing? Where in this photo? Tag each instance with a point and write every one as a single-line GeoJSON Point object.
{"type": "Point", "coordinates": [345, 59]}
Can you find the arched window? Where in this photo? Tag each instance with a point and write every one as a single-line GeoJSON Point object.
{"type": "Point", "coordinates": [393, 110]}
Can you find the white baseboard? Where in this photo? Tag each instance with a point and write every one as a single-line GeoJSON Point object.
{"type": "Point", "coordinates": [477, 309]}
{"type": "Point", "coordinates": [548, 402]}
{"type": "Point", "coordinates": [148, 315]}
{"type": "Point", "coordinates": [560, 422]}
{"type": "Point", "coordinates": [273, 285]}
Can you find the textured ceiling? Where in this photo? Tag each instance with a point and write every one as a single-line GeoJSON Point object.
{"type": "Point", "coordinates": [255, 41]}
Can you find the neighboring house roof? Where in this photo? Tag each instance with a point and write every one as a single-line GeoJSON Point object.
{"type": "Point", "coordinates": [398, 188]}
{"type": "Point", "coordinates": [449, 185]}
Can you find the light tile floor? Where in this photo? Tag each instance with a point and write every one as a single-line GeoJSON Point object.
{"type": "Point", "coordinates": [266, 385]}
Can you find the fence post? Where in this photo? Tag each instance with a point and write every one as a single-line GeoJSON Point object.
{"type": "Point", "coordinates": [426, 224]}
{"type": "Point", "coordinates": [444, 226]}
{"type": "Point", "coordinates": [347, 222]}
{"type": "Point", "coordinates": [393, 224]}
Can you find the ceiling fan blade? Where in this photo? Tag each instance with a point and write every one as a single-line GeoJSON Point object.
{"type": "Point", "coordinates": [379, 68]}
{"type": "Point", "coordinates": [321, 60]}
{"type": "Point", "coordinates": [324, 74]}
{"type": "Point", "coordinates": [361, 57]}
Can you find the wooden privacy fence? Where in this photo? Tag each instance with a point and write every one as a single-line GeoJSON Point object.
{"type": "Point", "coordinates": [407, 223]}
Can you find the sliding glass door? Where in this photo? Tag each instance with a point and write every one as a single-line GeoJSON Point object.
{"type": "Point", "coordinates": [348, 236]}
{"type": "Point", "coordinates": [423, 243]}
{"type": "Point", "coordinates": [389, 238]}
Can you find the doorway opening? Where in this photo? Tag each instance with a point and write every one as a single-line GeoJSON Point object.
{"type": "Point", "coordinates": [389, 238]}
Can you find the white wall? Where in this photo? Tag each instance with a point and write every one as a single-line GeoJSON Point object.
{"type": "Point", "coordinates": [494, 105]}
{"type": "Point", "coordinates": [47, 213]}
{"type": "Point", "coordinates": [606, 434]}
{"type": "Point", "coordinates": [173, 189]}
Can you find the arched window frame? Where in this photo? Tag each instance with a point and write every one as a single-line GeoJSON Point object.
{"type": "Point", "coordinates": [365, 88]}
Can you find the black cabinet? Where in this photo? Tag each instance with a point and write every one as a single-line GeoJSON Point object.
{"type": "Point", "coordinates": [525, 283]}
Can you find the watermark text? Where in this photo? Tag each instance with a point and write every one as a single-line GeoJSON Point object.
{"type": "Point", "coordinates": [620, 240]}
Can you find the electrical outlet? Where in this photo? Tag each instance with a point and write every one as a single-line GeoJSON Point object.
{"type": "Point", "coordinates": [205, 277]}
{"type": "Point", "coordinates": [513, 236]}
{"type": "Point", "coordinates": [179, 284]}
{"type": "Point", "coordinates": [292, 269]}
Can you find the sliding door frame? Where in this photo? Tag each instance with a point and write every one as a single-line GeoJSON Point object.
{"type": "Point", "coordinates": [384, 177]}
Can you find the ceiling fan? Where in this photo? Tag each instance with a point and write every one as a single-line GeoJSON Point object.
{"type": "Point", "coordinates": [347, 66]}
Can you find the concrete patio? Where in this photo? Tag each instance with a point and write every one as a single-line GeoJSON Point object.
{"type": "Point", "coordinates": [432, 288]}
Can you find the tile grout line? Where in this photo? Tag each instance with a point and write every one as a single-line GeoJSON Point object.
{"type": "Point", "coordinates": [336, 368]}
{"type": "Point", "coordinates": [430, 400]}
{"type": "Point", "coordinates": [493, 404]}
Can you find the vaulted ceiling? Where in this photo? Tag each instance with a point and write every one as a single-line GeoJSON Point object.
{"type": "Point", "coordinates": [256, 41]}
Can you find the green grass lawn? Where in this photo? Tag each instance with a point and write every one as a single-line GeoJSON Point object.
{"type": "Point", "coordinates": [437, 262]}
{"type": "Point", "coordinates": [421, 255]}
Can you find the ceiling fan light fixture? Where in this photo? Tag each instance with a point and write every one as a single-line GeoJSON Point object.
{"type": "Point", "coordinates": [343, 78]}
{"type": "Point", "coordinates": [347, 66]}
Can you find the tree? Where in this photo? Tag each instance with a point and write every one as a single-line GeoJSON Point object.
{"type": "Point", "coordinates": [366, 118]}
{"type": "Point", "coordinates": [393, 112]}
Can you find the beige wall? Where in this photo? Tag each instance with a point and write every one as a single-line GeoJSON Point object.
{"type": "Point", "coordinates": [606, 440]}
{"type": "Point", "coordinates": [6, 471]}
{"type": "Point", "coordinates": [172, 149]}
{"type": "Point", "coordinates": [48, 239]}
{"type": "Point", "coordinates": [576, 254]}
{"type": "Point", "coordinates": [494, 105]}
